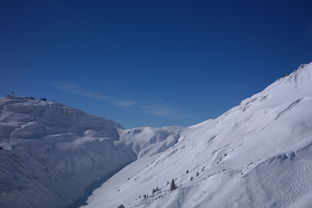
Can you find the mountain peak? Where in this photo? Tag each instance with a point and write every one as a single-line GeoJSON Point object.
{"type": "Point", "coordinates": [41, 118]}
{"type": "Point", "coordinates": [256, 148]}
{"type": "Point", "coordinates": [301, 76]}
{"type": "Point", "coordinates": [261, 147]}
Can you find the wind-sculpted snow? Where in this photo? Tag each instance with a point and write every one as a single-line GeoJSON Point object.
{"type": "Point", "coordinates": [257, 154]}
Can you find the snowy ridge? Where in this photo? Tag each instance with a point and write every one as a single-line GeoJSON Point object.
{"type": "Point", "coordinates": [54, 155]}
{"type": "Point", "coordinates": [49, 149]}
{"type": "Point", "coordinates": [257, 154]}
{"type": "Point", "coordinates": [148, 141]}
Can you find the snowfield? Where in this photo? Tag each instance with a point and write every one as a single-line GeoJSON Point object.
{"type": "Point", "coordinates": [258, 154]}
{"type": "Point", "coordinates": [53, 155]}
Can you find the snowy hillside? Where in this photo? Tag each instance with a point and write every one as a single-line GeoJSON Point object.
{"type": "Point", "coordinates": [53, 155]}
{"type": "Point", "coordinates": [258, 154]}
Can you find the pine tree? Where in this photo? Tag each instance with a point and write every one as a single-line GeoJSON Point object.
{"type": "Point", "coordinates": [197, 174]}
{"type": "Point", "coordinates": [121, 206]}
{"type": "Point", "coordinates": [155, 190]}
{"type": "Point", "coordinates": [172, 186]}
{"type": "Point", "coordinates": [187, 171]}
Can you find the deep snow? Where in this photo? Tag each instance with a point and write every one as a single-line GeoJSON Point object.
{"type": "Point", "coordinates": [258, 154]}
{"type": "Point", "coordinates": [53, 155]}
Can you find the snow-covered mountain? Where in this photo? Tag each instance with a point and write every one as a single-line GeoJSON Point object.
{"type": "Point", "coordinates": [53, 155]}
{"type": "Point", "coordinates": [258, 154]}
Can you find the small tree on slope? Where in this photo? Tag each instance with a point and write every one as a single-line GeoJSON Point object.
{"type": "Point", "coordinates": [172, 186]}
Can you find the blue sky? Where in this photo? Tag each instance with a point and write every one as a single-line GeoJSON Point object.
{"type": "Point", "coordinates": [150, 63]}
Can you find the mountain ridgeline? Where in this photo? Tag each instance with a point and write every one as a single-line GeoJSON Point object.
{"type": "Point", "coordinates": [257, 154]}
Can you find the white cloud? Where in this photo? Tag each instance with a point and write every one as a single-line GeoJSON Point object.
{"type": "Point", "coordinates": [74, 89]}
{"type": "Point", "coordinates": [157, 110]}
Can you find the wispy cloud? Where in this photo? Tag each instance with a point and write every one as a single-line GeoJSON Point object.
{"type": "Point", "coordinates": [159, 110]}
{"type": "Point", "coordinates": [156, 110]}
{"type": "Point", "coordinates": [74, 89]}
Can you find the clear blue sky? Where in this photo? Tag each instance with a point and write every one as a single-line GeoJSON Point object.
{"type": "Point", "coordinates": [152, 63]}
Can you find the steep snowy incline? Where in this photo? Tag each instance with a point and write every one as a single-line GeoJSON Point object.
{"type": "Point", "coordinates": [53, 155]}
{"type": "Point", "coordinates": [257, 154]}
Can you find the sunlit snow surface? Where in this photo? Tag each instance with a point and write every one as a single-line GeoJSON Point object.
{"type": "Point", "coordinates": [53, 155]}
{"type": "Point", "coordinates": [258, 154]}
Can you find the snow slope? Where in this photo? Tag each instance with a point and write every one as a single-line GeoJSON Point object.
{"type": "Point", "coordinates": [53, 155]}
{"type": "Point", "coordinates": [258, 154]}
